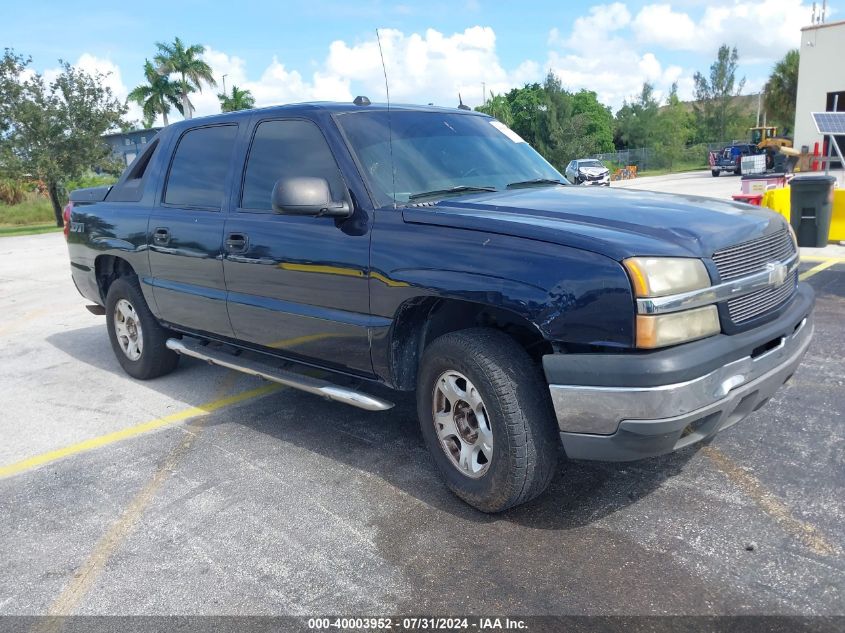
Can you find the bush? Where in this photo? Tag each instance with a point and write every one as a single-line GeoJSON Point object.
{"type": "Point", "coordinates": [12, 191]}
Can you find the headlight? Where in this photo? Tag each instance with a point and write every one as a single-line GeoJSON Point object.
{"type": "Point", "coordinates": [653, 277]}
{"type": "Point", "coordinates": [661, 276]}
{"type": "Point", "coordinates": [676, 327]}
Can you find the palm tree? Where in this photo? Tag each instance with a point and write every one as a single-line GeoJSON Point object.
{"type": "Point", "coordinates": [191, 71]}
{"type": "Point", "coordinates": [157, 95]}
{"type": "Point", "coordinates": [781, 90]}
{"type": "Point", "coordinates": [238, 100]}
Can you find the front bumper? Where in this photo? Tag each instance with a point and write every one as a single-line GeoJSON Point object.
{"type": "Point", "coordinates": [603, 181]}
{"type": "Point", "coordinates": [612, 423]}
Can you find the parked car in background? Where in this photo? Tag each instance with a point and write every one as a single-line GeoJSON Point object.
{"type": "Point", "coordinates": [587, 171]}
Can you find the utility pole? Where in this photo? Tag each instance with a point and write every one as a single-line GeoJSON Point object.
{"type": "Point", "coordinates": [224, 83]}
{"type": "Point", "coordinates": [483, 93]}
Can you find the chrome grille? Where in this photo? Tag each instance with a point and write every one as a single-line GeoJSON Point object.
{"type": "Point", "coordinates": [751, 257]}
{"type": "Point", "coordinates": [750, 306]}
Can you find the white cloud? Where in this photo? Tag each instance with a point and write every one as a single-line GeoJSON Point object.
{"type": "Point", "coordinates": [599, 55]}
{"type": "Point", "coordinates": [612, 52]}
{"type": "Point", "coordinates": [659, 24]}
{"type": "Point", "coordinates": [429, 67]}
{"type": "Point", "coordinates": [762, 30]}
{"type": "Point", "coordinates": [277, 84]}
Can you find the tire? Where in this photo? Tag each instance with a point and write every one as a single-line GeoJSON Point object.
{"type": "Point", "coordinates": [516, 428]}
{"type": "Point", "coordinates": [715, 173]}
{"type": "Point", "coordinates": [137, 338]}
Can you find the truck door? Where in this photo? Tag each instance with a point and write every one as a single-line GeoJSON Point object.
{"type": "Point", "coordinates": [297, 284]}
{"type": "Point", "coordinates": [185, 232]}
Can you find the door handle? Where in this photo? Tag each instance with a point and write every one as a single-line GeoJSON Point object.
{"type": "Point", "coordinates": [161, 236]}
{"type": "Point", "coordinates": [236, 243]}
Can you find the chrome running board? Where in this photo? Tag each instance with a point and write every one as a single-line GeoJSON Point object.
{"type": "Point", "coordinates": [288, 378]}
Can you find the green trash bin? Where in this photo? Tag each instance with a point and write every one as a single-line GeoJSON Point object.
{"type": "Point", "coordinates": [811, 203]}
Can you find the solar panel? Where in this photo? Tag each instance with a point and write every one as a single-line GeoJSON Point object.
{"type": "Point", "coordinates": [829, 122]}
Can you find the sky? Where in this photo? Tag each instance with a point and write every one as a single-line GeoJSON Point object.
{"type": "Point", "coordinates": [288, 51]}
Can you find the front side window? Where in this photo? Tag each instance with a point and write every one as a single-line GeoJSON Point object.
{"type": "Point", "coordinates": [200, 165]}
{"type": "Point", "coordinates": [290, 148]}
{"type": "Point", "coordinates": [434, 151]}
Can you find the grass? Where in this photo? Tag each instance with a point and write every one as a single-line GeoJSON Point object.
{"type": "Point", "coordinates": [34, 210]}
{"type": "Point", "coordinates": [31, 229]}
{"type": "Point", "coordinates": [32, 216]}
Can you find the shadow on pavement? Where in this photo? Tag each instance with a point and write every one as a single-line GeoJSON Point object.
{"type": "Point", "coordinates": [388, 445]}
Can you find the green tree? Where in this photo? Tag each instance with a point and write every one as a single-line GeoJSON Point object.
{"type": "Point", "coordinates": [11, 88]}
{"type": "Point", "coordinates": [781, 91]}
{"type": "Point", "coordinates": [238, 100]}
{"type": "Point", "coordinates": [554, 121]}
{"type": "Point", "coordinates": [527, 108]}
{"type": "Point", "coordinates": [499, 107]}
{"type": "Point", "coordinates": [673, 130]}
{"type": "Point", "coordinates": [157, 95]}
{"type": "Point", "coordinates": [716, 114]}
{"type": "Point", "coordinates": [191, 71]}
{"type": "Point", "coordinates": [54, 131]}
{"type": "Point", "coordinates": [636, 122]}
{"type": "Point", "coordinates": [596, 118]}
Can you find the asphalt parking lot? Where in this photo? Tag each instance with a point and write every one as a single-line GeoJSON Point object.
{"type": "Point", "coordinates": [209, 492]}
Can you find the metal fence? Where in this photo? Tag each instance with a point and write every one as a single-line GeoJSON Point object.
{"type": "Point", "coordinates": [651, 158]}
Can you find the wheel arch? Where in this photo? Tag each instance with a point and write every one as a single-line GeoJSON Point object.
{"type": "Point", "coordinates": [107, 268]}
{"type": "Point", "coordinates": [421, 320]}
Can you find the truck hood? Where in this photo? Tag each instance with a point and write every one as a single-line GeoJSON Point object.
{"type": "Point", "coordinates": [618, 223]}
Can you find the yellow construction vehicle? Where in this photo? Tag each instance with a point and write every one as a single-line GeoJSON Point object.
{"type": "Point", "coordinates": [767, 140]}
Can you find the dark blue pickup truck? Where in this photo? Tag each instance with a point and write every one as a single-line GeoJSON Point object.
{"type": "Point", "coordinates": [433, 250]}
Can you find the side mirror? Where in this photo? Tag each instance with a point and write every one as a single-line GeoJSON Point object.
{"type": "Point", "coordinates": [303, 195]}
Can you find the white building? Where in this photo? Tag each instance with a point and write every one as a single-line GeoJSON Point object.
{"type": "Point", "coordinates": [821, 79]}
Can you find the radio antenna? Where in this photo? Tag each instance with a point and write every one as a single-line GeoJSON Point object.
{"type": "Point", "coordinates": [389, 122]}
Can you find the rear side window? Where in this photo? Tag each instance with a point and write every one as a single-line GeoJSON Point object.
{"type": "Point", "coordinates": [200, 165]}
{"type": "Point", "coordinates": [287, 148]}
{"type": "Point", "coordinates": [130, 188]}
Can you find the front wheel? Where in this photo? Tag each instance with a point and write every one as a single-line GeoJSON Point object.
{"type": "Point", "coordinates": [137, 338]}
{"type": "Point", "coordinates": [715, 173]}
{"type": "Point", "coordinates": [486, 416]}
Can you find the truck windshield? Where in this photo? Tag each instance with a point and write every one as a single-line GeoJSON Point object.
{"type": "Point", "coordinates": [435, 152]}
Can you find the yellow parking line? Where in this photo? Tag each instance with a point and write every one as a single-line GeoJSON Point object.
{"type": "Point", "coordinates": [822, 258]}
{"type": "Point", "coordinates": [808, 534]}
{"type": "Point", "coordinates": [133, 431]}
{"type": "Point", "coordinates": [816, 269]}
{"type": "Point", "coordinates": [87, 574]}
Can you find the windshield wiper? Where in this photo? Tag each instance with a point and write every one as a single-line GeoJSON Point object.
{"type": "Point", "coordinates": [448, 192]}
{"type": "Point", "coordinates": [535, 182]}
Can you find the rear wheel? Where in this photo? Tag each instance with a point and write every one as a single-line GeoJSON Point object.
{"type": "Point", "coordinates": [137, 338]}
{"type": "Point", "coordinates": [486, 416]}
{"type": "Point", "coordinates": [715, 173]}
